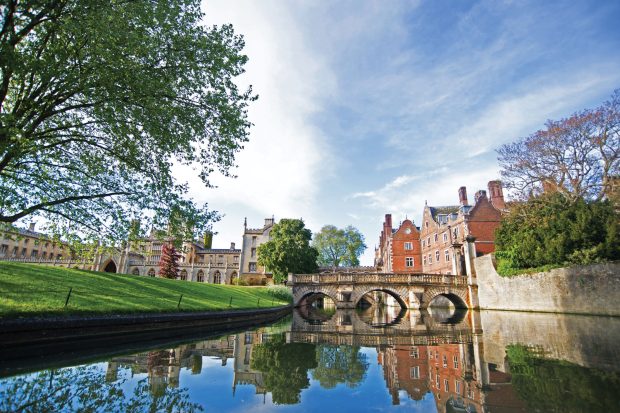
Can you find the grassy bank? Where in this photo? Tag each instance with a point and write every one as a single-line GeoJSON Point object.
{"type": "Point", "coordinates": [37, 290]}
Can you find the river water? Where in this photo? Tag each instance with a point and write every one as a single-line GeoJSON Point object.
{"type": "Point", "coordinates": [378, 359]}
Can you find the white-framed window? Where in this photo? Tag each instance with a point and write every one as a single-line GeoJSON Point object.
{"type": "Point", "coordinates": [456, 232]}
{"type": "Point", "coordinates": [445, 361]}
{"type": "Point", "coordinates": [414, 353]}
{"type": "Point", "coordinates": [423, 243]}
{"type": "Point", "coordinates": [428, 241]}
{"type": "Point", "coordinates": [447, 255]}
{"type": "Point", "coordinates": [446, 386]}
{"type": "Point", "coordinates": [252, 267]}
{"type": "Point", "coordinates": [424, 260]}
{"type": "Point", "coordinates": [415, 372]}
{"type": "Point", "coordinates": [437, 255]}
{"type": "Point", "coordinates": [437, 381]}
{"type": "Point", "coordinates": [457, 387]}
{"type": "Point", "coordinates": [436, 237]}
{"type": "Point", "coordinates": [408, 245]}
{"type": "Point", "coordinates": [456, 362]}
{"type": "Point", "coordinates": [409, 262]}
{"type": "Point", "coordinates": [445, 237]}
{"type": "Point", "coordinates": [430, 259]}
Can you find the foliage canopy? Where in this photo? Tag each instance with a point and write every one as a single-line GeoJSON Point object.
{"type": "Point", "coordinates": [98, 100]}
{"type": "Point", "coordinates": [338, 247]}
{"type": "Point", "coordinates": [578, 156]}
{"type": "Point", "coordinates": [288, 250]}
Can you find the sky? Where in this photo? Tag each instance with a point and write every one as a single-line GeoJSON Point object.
{"type": "Point", "coordinates": [372, 107]}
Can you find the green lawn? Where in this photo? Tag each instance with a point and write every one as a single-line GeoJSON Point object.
{"type": "Point", "coordinates": [38, 290]}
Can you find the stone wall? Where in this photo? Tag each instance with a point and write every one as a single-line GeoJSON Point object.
{"type": "Point", "coordinates": [591, 289]}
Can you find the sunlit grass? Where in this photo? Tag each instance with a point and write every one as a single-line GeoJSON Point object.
{"type": "Point", "coordinates": [38, 290]}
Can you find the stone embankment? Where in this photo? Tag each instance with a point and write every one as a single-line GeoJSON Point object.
{"type": "Point", "coordinates": [589, 289]}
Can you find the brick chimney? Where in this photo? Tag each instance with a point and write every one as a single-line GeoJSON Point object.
{"type": "Point", "coordinates": [480, 194]}
{"type": "Point", "coordinates": [463, 195]}
{"type": "Point", "coordinates": [232, 245]}
{"type": "Point", "coordinates": [497, 195]}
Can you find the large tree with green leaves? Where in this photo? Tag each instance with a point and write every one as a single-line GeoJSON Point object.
{"type": "Point", "coordinates": [288, 250]}
{"type": "Point", "coordinates": [98, 101]}
{"type": "Point", "coordinates": [338, 247]}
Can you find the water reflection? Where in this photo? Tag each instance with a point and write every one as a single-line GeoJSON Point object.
{"type": "Point", "coordinates": [439, 361]}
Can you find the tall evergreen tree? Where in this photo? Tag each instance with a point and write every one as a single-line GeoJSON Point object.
{"type": "Point", "coordinates": [169, 262]}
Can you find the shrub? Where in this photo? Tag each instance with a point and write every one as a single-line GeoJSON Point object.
{"type": "Point", "coordinates": [280, 292]}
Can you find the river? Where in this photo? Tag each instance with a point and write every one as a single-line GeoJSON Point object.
{"type": "Point", "coordinates": [378, 359]}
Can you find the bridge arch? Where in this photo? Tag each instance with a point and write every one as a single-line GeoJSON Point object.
{"type": "Point", "coordinates": [457, 297]}
{"type": "Point", "coordinates": [401, 297]}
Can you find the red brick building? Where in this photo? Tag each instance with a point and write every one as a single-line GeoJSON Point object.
{"type": "Point", "coordinates": [405, 368]}
{"type": "Point", "coordinates": [444, 229]}
{"type": "Point", "coordinates": [399, 249]}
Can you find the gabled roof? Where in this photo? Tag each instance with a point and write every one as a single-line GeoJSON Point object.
{"type": "Point", "coordinates": [447, 210]}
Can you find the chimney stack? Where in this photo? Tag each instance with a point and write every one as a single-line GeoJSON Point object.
{"type": "Point", "coordinates": [496, 194]}
{"type": "Point", "coordinates": [480, 194]}
{"type": "Point", "coordinates": [232, 245]}
{"type": "Point", "coordinates": [463, 196]}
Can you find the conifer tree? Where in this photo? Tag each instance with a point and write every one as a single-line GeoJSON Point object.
{"type": "Point", "coordinates": [169, 262]}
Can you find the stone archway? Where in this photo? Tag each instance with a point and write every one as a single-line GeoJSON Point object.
{"type": "Point", "coordinates": [308, 297]}
{"type": "Point", "coordinates": [110, 267]}
{"type": "Point", "coordinates": [458, 297]}
{"type": "Point", "coordinates": [401, 296]}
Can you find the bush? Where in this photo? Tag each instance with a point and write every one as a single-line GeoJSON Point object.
{"type": "Point", "coordinates": [280, 292]}
{"type": "Point", "coordinates": [550, 231]}
{"type": "Point", "coordinates": [239, 281]}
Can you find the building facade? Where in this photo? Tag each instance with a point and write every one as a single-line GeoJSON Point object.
{"type": "Point", "coordinates": [198, 261]}
{"type": "Point", "coordinates": [250, 271]}
{"type": "Point", "coordinates": [445, 228]}
{"type": "Point", "coordinates": [399, 248]}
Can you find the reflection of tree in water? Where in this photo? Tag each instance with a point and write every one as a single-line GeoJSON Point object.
{"type": "Point", "coordinates": [85, 388]}
{"type": "Point", "coordinates": [343, 364]}
{"type": "Point", "coordinates": [559, 386]}
{"type": "Point", "coordinates": [285, 367]}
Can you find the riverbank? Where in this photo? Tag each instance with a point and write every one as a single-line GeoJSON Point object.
{"type": "Point", "coordinates": [31, 290]}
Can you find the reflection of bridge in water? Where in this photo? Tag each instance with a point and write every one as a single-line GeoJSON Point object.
{"type": "Point", "coordinates": [369, 329]}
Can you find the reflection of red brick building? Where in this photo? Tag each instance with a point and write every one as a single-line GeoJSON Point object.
{"type": "Point", "coordinates": [405, 368]}
{"type": "Point", "coordinates": [444, 229]}
{"type": "Point", "coordinates": [399, 249]}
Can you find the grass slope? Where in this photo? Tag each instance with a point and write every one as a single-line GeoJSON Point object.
{"type": "Point", "coordinates": [37, 290]}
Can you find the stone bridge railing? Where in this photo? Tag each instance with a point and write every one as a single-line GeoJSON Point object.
{"type": "Point", "coordinates": [379, 278]}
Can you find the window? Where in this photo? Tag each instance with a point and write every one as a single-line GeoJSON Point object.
{"type": "Point", "coordinates": [447, 255]}
{"type": "Point", "coordinates": [4, 249]}
{"type": "Point", "coordinates": [445, 237]}
{"type": "Point", "coordinates": [428, 241]}
{"type": "Point", "coordinates": [456, 362]}
{"type": "Point", "coordinates": [236, 259]}
{"type": "Point", "coordinates": [135, 271]}
{"type": "Point", "coordinates": [34, 254]}
{"type": "Point", "coordinates": [437, 255]}
{"type": "Point", "coordinates": [423, 243]}
{"type": "Point", "coordinates": [23, 252]}
{"type": "Point", "coordinates": [217, 278]}
{"type": "Point", "coordinates": [445, 361]}
{"type": "Point", "coordinates": [14, 253]}
{"type": "Point", "coordinates": [408, 246]}
{"type": "Point", "coordinates": [253, 253]}
{"type": "Point", "coordinates": [415, 372]}
{"type": "Point", "coordinates": [457, 386]}
{"type": "Point", "coordinates": [184, 275]}
{"type": "Point", "coordinates": [424, 260]}
{"type": "Point", "coordinates": [26, 241]}
{"type": "Point", "coordinates": [44, 255]}
{"type": "Point", "coordinates": [445, 385]}
{"type": "Point", "coordinates": [456, 232]}
{"type": "Point", "coordinates": [409, 262]}
{"type": "Point", "coordinates": [430, 259]}
{"type": "Point", "coordinates": [415, 353]}
{"type": "Point", "coordinates": [252, 267]}
{"type": "Point", "coordinates": [437, 381]}
{"type": "Point", "coordinates": [151, 273]}
{"type": "Point", "coordinates": [436, 237]}
{"type": "Point", "coordinates": [253, 241]}
{"type": "Point", "coordinates": [200, 276]}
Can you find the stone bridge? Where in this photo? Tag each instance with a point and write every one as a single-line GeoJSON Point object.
{"type": "Point", "coordinates": [413, 291]}
{"type": "Point", "coordinates": [346, 327]}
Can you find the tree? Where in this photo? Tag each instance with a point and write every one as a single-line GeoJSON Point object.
{"type": "Point", "coordinates": [288, 250]}
{"type": "Point", "coordinates": [98, 101]}
{"type": "Point", "coordinates": [169, 262]}
{"type": "Point", "coordinates": [578, 156]}
{"type": "Point", "coordinates": [342, 364]}
{"type": "Point", "coordinates": [339, 246]}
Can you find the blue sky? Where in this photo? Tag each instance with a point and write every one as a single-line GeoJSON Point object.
{"type": "Point", "coordinates": [368, 108]}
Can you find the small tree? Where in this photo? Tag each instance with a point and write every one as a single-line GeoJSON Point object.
{"type": "Point", "coordinates": [169, 262]}
{"type": "Point", "coordinates": [339, 246]}
{"type": "Point", "coordinates": [288, 250]}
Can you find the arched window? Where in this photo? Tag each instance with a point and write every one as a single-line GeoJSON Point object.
{"type": "Point", "coordinates": [135, 271]}
{"type": "Point", "coordinates": [201, 276]}
{"type": "Point", "coordinates": [151, 273]}
{"type": "Point", "coordinates": [184, 275]}
{"type": "Point", "coordinates": [217, 278]}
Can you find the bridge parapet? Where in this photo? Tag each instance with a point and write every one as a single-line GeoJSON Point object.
{"type": "Point", "coordinates": [379, 278]}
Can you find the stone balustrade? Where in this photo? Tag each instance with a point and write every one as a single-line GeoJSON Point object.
{"type": "Point", "coordinates": [379, 278]}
